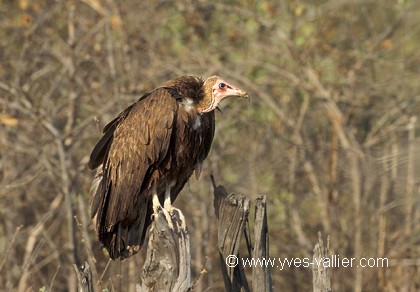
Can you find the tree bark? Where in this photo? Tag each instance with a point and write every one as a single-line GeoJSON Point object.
{"type": "Point", "coordinates": [168, 261]}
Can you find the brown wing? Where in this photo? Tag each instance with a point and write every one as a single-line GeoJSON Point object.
{"type": "Point", "coordinates": [132, 147]}
{"type": "Point", "coordinates": [99, 152]}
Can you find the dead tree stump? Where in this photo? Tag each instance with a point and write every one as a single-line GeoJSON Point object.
{"type": "Point", "coordinates": [84, 278]}
{"type": "Point", "coordinates": [321, 272]}
{"type": "Point", "coordinates": [261, 276]}
{"type": "Point", "coordinates": [232, 214]}
{"type": "Point", "coordinates": [168, 261]}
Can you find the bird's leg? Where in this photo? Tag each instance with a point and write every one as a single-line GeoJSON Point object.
{"type": "Point", "coordinates": [155, 203]}
{"type": "Point", "coordinates": [158, 208]}
{"type": "Point", "coordinates": [167, 204]}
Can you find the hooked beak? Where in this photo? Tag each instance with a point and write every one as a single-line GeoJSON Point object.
{"type": "Point", "coordinates": [239, 93]}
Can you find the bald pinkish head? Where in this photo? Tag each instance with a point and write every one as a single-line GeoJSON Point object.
{"type": "Point", "coordinates": [216, 89]}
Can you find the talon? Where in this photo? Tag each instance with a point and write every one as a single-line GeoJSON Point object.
{"type": "Point", "coordinates": [156, 204]}
{"type": "Point", "coordinates": [168, 218]}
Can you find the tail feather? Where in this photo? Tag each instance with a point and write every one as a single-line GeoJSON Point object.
{"type": "Point", "coordinates": [126, 237]}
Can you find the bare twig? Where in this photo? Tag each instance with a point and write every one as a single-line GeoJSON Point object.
{"type": "Point", "coordinates": [53, 279]}
{"type": "Point", "coordinates": [12, 241]}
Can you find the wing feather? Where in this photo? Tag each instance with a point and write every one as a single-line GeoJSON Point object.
{"type": "Point", "coordinates": [139, 139]}
{"type": "Point", "coordinates": [99, 152]}
{"type": "Point", "coordinates": [208, 125]}
{"type": "Point", "coordinates": [101, 148]}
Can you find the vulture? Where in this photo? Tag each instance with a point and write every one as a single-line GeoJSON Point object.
{"type": "Point", "coordinates": [147, 154]}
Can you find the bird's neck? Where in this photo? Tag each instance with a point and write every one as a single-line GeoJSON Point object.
{"type": "Point", "coordinates": [205, 106]}
{"type": "Point", "coordinates": [207, 103]}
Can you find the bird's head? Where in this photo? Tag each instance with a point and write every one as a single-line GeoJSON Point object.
{"type": "Point", "coordinates": [215, 90]}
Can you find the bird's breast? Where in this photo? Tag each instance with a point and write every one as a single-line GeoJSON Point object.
{"type": "Point", "coordinates": [197, 123]}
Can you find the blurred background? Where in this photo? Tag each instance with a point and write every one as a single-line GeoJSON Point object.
{"type": "Point", "coordinates": [331, 134]}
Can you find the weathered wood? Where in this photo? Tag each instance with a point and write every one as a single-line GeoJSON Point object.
{"type": "Point", "coordinates": [84, 278]}
{"type": "Point", "coordinates": [232, 212]}
{"type": "Point", "coordinates": [168, 261]}
{"type": "Point", "coordinates": [261, 276]}
{"type": "Point", "coordinates": [321, 272]}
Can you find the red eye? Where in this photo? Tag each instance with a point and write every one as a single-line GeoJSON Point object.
{"type": "Point", "coordinates": [222, 86]}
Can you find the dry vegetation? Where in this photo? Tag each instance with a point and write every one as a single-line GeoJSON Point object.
{"type": "Point", "coordinates": [331, 134]}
